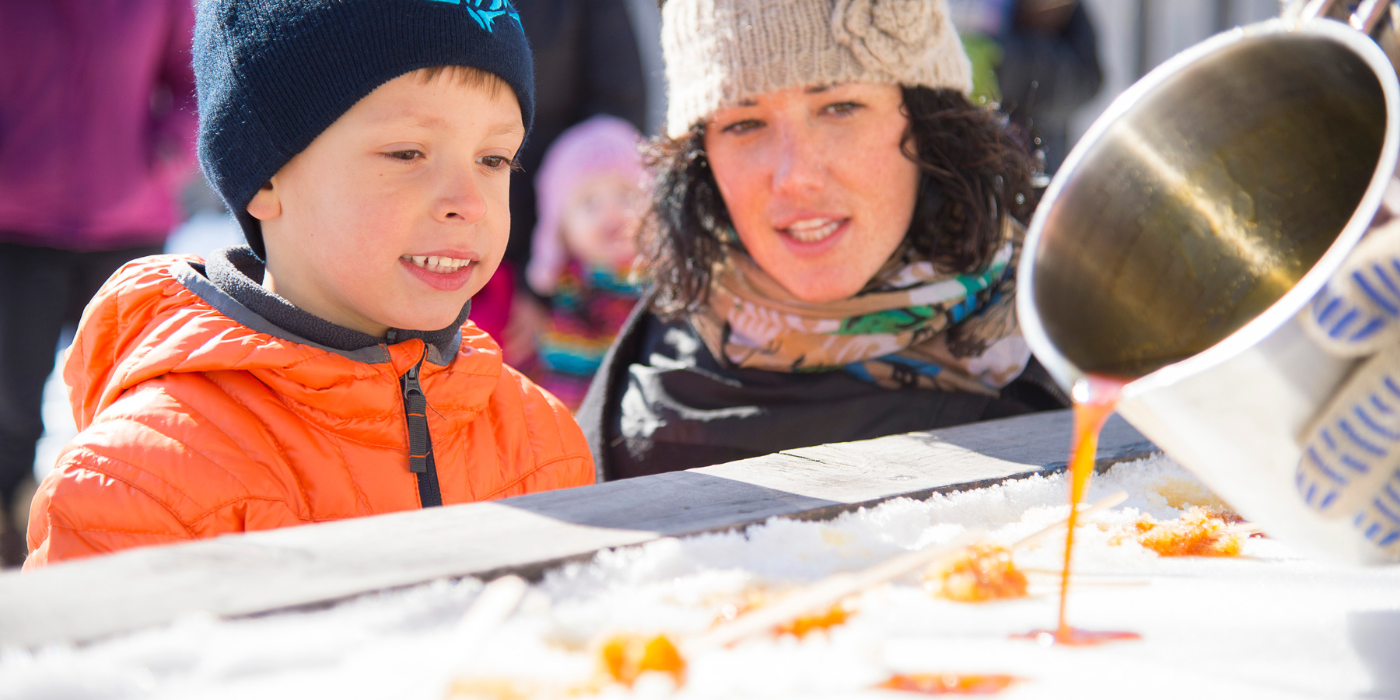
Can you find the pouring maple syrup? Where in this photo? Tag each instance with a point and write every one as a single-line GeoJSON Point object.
{"type": "Point", "coordinates": [1095, 398]}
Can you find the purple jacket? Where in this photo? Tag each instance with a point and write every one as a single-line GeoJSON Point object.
{"type": "Point", "coordinates": [97, 120]}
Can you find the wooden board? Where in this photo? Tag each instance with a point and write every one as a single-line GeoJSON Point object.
{"type": "Point", "coordinates": [263, 571]}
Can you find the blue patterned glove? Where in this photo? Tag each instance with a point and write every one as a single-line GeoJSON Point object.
{"type": "Point", "coordinates": [1358, 312]}
{"type": "Point", "coordinates": [1351, 455]}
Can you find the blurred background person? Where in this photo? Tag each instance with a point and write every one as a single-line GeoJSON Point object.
{"type": "Point", "coordinates": [586, 63]}
{"type": "Point", "coordinates": [1038, 58]}
{"type": "Point", "coordinates": [97, 122]}
{"type": "Point", "coordinates": [591, 193]}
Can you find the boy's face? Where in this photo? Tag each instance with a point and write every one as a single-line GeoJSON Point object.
{"type": "Point", "coordinates": [399, 212]}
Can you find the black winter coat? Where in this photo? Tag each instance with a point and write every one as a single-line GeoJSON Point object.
{"type": "Point", "coordinates": [661, 402]}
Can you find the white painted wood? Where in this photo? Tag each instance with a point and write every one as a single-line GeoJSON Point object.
{"type": "Point", "coordinates": [262, 571]}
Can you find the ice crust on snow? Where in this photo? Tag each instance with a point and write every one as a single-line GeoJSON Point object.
{"type": "Point", "coordinates": [1268, 624]}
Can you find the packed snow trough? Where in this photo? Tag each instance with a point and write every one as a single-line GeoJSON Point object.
{"type": "Point", "coordinates": [1256, 621]}
{"type": "Point", "coordinates": [264, 571]}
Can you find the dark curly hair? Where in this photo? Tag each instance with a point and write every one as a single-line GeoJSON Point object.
{"type": "Point", "coordinates": [975, 171]}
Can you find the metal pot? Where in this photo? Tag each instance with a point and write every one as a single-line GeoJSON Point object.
{"type": "Point", "coordinates": [1188, 229]}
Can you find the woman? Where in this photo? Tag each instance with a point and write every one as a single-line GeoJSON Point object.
{"type": "Point", "coordinates": [832, 241]}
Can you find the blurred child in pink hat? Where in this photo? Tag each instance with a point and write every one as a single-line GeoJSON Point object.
{"type": "Point", "coordinates": [591, 192]}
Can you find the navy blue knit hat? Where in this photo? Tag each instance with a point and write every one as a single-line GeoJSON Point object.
{"type": "Point", "coordinates": [273, 74]}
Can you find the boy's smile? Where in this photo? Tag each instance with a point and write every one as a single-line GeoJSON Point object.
{"type": "Point", "coordinates": [399, 211]}
{"type": "Point", "coordinates": [445, 270]}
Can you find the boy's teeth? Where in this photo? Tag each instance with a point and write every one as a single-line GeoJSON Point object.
{"type": "Point", "coordinates": [437, 263]}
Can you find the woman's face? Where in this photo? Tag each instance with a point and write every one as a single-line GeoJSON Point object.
{"type": "Point", "coordinates": [816, 183]}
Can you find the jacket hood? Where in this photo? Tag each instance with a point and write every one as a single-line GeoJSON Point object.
{"type": "Point", "coordinates": [161, 315]}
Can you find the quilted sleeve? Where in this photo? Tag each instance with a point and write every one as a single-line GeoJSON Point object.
{"type": "Point", "coordinates": [560, 450]}
{"type": "Point", "coordinates": [155, 469]}
{"type": "Point", "coordinates": [80, 511]}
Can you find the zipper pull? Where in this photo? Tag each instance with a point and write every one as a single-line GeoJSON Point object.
{"type": "Point", "coordinates": [420, 443]}
{"type": "Point", "coordinates": [415, 406]}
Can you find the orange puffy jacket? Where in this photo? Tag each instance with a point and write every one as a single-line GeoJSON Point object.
{"type": "Point", "coordinates": [195, 425]}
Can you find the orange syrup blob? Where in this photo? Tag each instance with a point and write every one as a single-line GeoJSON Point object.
{"type": "Point", "coordinates": [625, 657]}
{"type": "Point", "coordinates": [980, 573]}
{"type": "Point", "coordinates": [806, 624]}
{"type": "Point", "coordinates": [949, 683]}
{"type": "Point", "coordinates": [1199, 532]}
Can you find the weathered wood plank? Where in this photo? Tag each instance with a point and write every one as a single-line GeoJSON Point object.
{"type": "Point", "coordinates": [262, 571]}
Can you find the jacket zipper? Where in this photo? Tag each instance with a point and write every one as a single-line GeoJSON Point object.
{"type": "Point", "coordinates": [420, 442]}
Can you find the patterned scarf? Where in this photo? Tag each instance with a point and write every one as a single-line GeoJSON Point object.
{"type": "Point", "coordinates": [912, 327]}
{"type": "Point", "coordinates": [587, 310]}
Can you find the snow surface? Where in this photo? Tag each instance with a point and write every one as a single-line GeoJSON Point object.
{"type": "Point", "coordinates": [1266, 625]}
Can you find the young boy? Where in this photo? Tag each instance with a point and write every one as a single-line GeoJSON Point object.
{"type": "Point", "coordinates": [325, 371]}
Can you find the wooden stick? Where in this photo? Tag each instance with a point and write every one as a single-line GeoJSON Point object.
{"type": "Point", "coordinates": [497, 600]}
{"type": "Point", "coordinates": [832, 589]}
{"type": "Point", "coordinates": [823, 593]}
{"type": "Point", "coordinates": [492, 606]}
{"type": "Point", "coordinates": [1084, 511]}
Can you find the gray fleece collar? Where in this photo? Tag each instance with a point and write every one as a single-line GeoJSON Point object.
{"type": "Point", "coordinates": [226, 283]}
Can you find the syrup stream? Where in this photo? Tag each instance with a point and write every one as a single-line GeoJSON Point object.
{"type": "Point", "coordinates": [1095, 398]}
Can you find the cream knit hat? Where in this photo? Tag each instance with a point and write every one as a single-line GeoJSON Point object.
{"type": "Point", "coordinates": [719, 52]}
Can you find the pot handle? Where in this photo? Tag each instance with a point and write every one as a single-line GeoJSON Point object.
{"type": "Point", "coordinates": [1368, 14]}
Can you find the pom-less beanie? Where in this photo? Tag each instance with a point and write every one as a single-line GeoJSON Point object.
{"type": "Point", "coordinates": [602, 145]}
{"type": "Point", "coordinates": [273, 74]}
{"type": "Point", "coordinates": [720, 52]}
